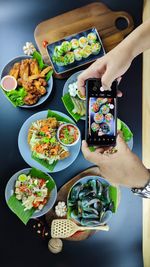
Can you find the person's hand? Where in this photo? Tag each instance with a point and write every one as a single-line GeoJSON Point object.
{"type": "Point", "coordinates": [122, 167]}
{"type": "Point", "coordinates": [110, 67]}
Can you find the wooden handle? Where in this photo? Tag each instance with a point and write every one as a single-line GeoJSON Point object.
{"type": "Point", "coordinates": [129, 20]}
{"type": "Point", "coordinates": [100, 227]}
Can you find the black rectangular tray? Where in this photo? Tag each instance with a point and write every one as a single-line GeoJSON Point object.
{"type": "Point", "coordinates": [75, 64]}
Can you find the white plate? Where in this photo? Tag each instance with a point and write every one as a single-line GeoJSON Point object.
{"type": "Point", "coordinates": [26, 152]}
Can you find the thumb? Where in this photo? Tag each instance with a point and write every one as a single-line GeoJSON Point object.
{"type": "Point", "coordinates": [121, 144]}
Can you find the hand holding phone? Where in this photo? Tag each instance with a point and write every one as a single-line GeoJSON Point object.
{"type": "Point", "coordinates": [101, 114]}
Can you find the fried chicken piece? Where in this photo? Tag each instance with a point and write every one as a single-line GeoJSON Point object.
{"type": "Point", "coordinates": [15, 70]}
{"type": "Point", "coordinates": [34, 68]}
{"type": "Point", "coordinates": [27, 85]}
{"type": "Point", "coordinates": [45, 71]}
{"type": "Point", "coordinates": [40, 89]}
{"type": "Point", "coordinates": [19, 81]}
{"type": "Point", "coordinates": [24, 69]}
{"type": "Point", "coordinates": [50, 122]}
{"type": "Point", "coordinates": [30, 99]}
{"type": "Point", "coordinates": [34, 77]}
{"type": "Point", "coordinates": [43, 82]}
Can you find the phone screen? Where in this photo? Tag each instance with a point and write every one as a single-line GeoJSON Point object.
{"type": "Point", "coordinates": [101, 115]}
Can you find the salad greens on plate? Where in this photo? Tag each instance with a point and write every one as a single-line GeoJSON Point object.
{"type": "Point", "coordinates": [44, 156]}
{"type": "Point", "coordinates": [30, 193]}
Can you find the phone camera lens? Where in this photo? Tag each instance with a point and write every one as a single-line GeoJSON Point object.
{"type": "Point", "coordinates": [94, 88]}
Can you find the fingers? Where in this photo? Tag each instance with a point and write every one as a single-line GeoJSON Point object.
{"type": "Point", "coordinates": [119, 93]}
{"type": "Point", "coordinates": [88, 73]}
{"type": "Point", "coordinates": [121, 144]}
{"type": "Point", "coordinates": [107, 78]}
{"type": "Point", "coordinates": [119, 79]}
{"type": "Point", "coordinates": [94, 157]}
{"type": "Point", "coordinates": [94, 71]}
{"type": "Point", "coordinates": [100, 150]}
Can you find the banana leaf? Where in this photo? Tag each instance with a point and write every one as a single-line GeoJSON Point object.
{"type": "Point", "coordinates": [70, 106]}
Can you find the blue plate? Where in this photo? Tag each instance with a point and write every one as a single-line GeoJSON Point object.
{"type": "Point", "coordinates": [26, 152]}
{"type": "Point", "coordinates": [9, 191]}
{"type": "Point", "coordinates": [75, 64]}
{"type": "Point", "coordinates": [49, 86]}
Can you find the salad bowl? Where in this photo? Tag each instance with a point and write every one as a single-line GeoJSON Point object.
{"type": "Point", "coordinates": [10, 190]}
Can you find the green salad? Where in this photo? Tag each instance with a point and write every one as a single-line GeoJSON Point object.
{"type": "Point", "coordinates": [31, 193]}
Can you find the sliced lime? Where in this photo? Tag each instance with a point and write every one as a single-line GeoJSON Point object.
{"type": "Point", "coordinates": [22, 178]}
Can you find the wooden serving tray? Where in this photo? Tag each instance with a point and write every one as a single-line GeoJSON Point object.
{"type": "Point", "coordinates": [95, 15]}
{"type": "Point", "coordinates": [62, 196]}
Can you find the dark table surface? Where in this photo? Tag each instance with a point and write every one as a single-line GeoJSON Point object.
{"type": "Point", "coordinates": [121, 246]}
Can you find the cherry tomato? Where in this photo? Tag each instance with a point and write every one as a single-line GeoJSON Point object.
{"type": "Point", "coordinates": [41, 182]}
{"type": "Point", "coordinates": [36, 204]}
{"type": "Point", "coordinates": [45, 43]}
{"type": "Point", "coordinates": [44, 201]}
{"type": "Point", "coordinates": [23, 188]}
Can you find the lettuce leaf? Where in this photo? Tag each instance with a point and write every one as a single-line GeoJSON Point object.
{"type": "Point", "coordinates": [36, 55]}
{"type": "Point", "coordinates": [16, 96]}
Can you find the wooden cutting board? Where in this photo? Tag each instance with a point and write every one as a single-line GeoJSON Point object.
{"type": "Point", "coordinates": [62, 196]}
{"type": "Point", "coordinates": [95, 15]}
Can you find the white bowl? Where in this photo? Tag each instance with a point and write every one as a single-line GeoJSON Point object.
{"type": "Point", "coordinates": [63, 125]}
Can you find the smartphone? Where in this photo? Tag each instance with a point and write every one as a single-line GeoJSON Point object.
{"type": "Point", "coordinates": [101, 114]}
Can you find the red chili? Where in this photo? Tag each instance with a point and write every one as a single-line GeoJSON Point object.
{"type": "Point", "coordinates": [45, 43]}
